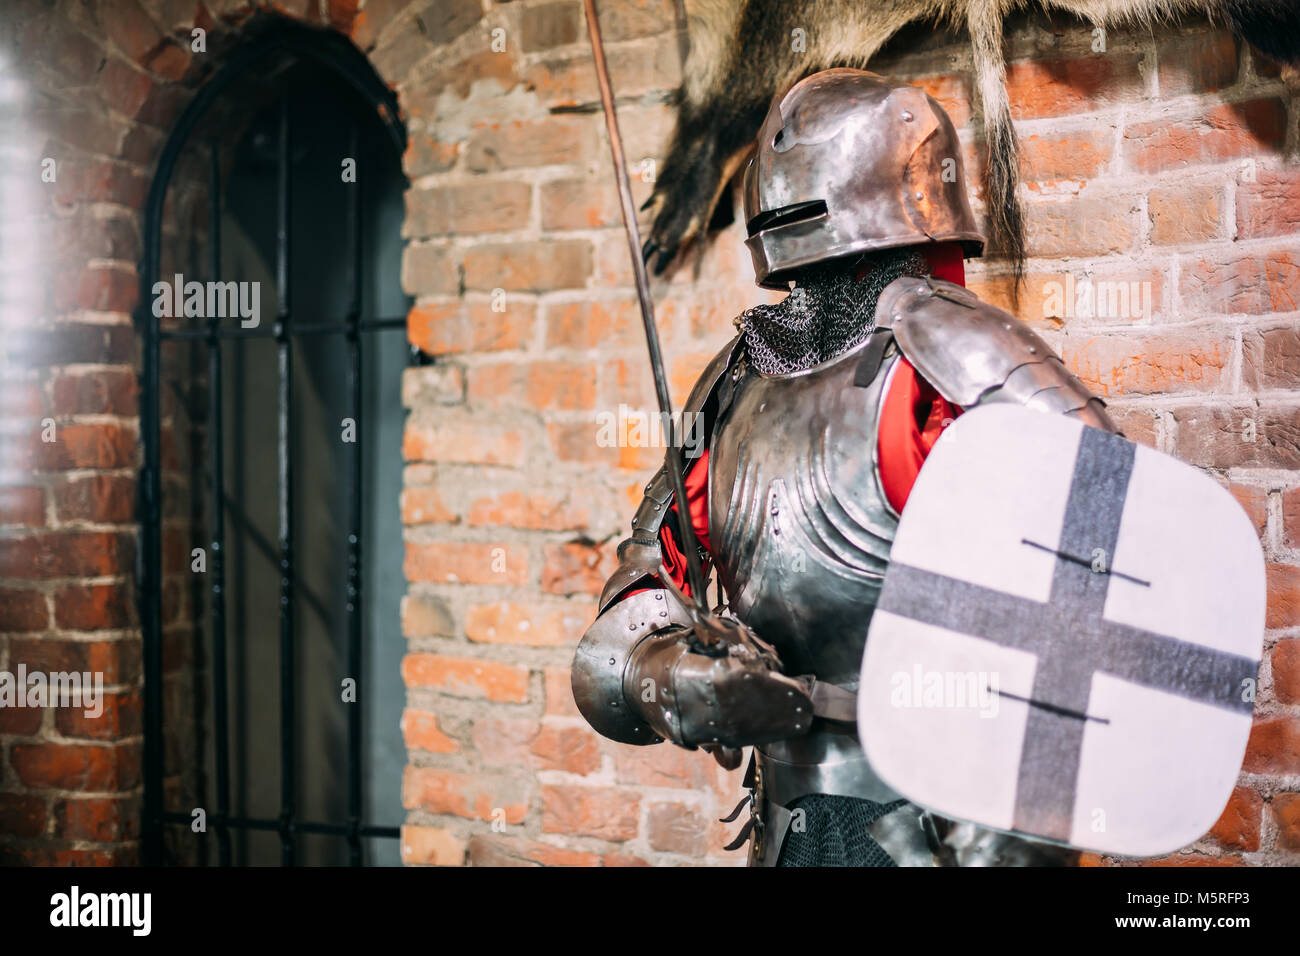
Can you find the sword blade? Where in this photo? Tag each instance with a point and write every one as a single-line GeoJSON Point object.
{"type": "Point", "coordinates": [695, 574]}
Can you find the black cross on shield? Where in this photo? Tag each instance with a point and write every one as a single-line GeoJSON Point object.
{"type": "Point", "coordinates": [1070, 637]}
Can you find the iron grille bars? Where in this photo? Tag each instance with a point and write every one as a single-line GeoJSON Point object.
{"type": "Point", "coordinates": [300, 826]}
{"type": "Point", "coordinates": [354, 534]}
{"type": "Point", "coordinates": [299, 330]}
{"type": "Point", "coordinates": [337, 54]}
{"type": "Point", "coordinates": [284, 459]}
{"type": "Point", "coordinates": [220, 688]}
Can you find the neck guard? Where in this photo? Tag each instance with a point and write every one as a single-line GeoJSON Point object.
{"type": "Point", "coordinates": [828, 313]}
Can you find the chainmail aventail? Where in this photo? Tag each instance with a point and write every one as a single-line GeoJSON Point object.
{"type": "Point", "coordinates": [828, 313]}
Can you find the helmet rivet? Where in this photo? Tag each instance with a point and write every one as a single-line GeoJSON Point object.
{"type": "Point", "coordinates": [907, 116]}
{"type": "Point", "coordinates": [920, 196]}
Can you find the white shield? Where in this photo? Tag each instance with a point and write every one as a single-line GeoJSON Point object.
{"type": "Point", "coordinates": [1068, 637]}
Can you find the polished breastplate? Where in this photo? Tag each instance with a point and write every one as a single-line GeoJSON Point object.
{"type": "Point", "coordinates": [805, 533]}
{"type": "Point", "coordinates": [805, 529]}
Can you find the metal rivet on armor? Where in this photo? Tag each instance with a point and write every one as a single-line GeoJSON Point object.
{"type": "Point", "coordinates": [1007, 326]}
{"type": "Point", "coordinates": [613, 703]}
{"type": "Point", "coordinates": [798, 710]}
{"type": "Point", "coordinates": [634, 522]}
{"type": "Point", "coordinates": [659, 597]}
{"type": "Point", "coordinates": [663, 613]}
{"type": "Point", "coordinates": [631, 627]}
{"type": "Point", "coordinates": [907, 116]}
{"type": "Point", "coordinates": [920, 196]}
{"type": "Point", "coordinates": [1033, 350]}
{"type": "Point", "coordinates": [612, 662]}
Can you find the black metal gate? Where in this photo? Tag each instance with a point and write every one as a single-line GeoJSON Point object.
{"type": "Point", "coordinates": [280, 39]}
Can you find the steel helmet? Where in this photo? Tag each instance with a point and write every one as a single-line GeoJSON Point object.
{"type": "Point", "coordinates": [849, 161]}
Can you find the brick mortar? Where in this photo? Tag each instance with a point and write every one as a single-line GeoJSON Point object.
{"type": "Point", "coordinates": [511, 426]}
{"type": "Point", "coordinates": [1117, 182]}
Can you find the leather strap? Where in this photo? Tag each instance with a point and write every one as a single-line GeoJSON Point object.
{"type": "Point", "coordinates": [872, 356]}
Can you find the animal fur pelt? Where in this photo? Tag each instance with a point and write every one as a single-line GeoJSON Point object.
{"type": "Point", "coordinates": [741, 56]}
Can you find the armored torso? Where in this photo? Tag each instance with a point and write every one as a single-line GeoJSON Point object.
{"type": "Point", "coordinates": [802, 527]}
{"type": "Point", "coordinates": [800, 532]}
{"type": "Point", "coordinates": [799, 522]}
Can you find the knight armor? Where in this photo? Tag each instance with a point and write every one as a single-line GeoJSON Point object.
{"type": "Point", "coordinates": [845, 197]}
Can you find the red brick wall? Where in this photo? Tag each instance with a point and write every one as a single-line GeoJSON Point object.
{"type": "Point", "coordinates": [91, 99]}
{"type": "Point", "coordinates": [512, 204]}
{"type": "Point", "coordinates": [95, 87]}
{"type": "Point", "coordinates": [1172, 162]}
{"type": "Point", "coordinates": [1165, 161]}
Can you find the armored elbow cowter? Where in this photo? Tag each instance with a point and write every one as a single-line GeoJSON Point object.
{"type": "Point", "coordinates": [640, 675]}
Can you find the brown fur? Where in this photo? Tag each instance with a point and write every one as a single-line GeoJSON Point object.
{"type": "Point", "coordinates": [741, 56]}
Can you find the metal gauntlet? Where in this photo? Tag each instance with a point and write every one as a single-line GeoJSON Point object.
{"type": "Point", "coordinates": [639, 677]}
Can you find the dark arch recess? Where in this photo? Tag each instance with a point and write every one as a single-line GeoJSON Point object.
{"type": "Point", "coordinates": [260, 40]}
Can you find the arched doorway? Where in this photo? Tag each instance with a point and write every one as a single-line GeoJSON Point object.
{"type": "Point", "coordinates": [271, 323]}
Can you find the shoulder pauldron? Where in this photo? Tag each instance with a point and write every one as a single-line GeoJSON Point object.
{"type": "Point", "coordinates": [974, 353]}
